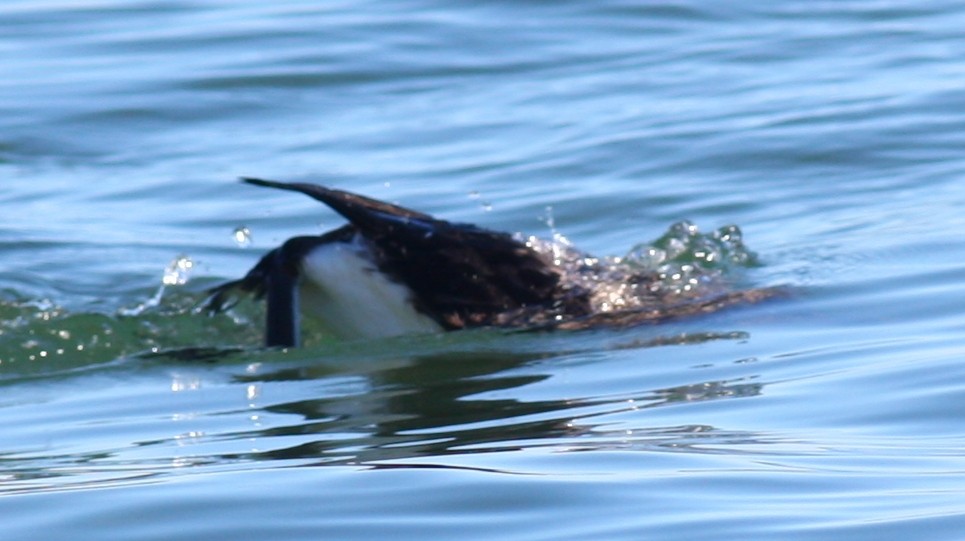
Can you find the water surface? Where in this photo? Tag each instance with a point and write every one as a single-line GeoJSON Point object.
{"type": "Point", "coordinates": [830, 133]}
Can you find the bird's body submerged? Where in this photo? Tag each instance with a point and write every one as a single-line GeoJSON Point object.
{"type": "Point", "coordinates": [394, 271]}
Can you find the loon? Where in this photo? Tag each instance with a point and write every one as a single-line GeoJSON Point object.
{"type": "Point", "coordinates": [392, 271]}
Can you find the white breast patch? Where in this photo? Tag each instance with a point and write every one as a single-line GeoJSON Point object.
{"type": "Point", "coordinates": [341, 287]}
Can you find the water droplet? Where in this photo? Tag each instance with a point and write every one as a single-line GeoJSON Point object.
{"type": "Point", "coordinates": [548, 219]}
{"type": "Point", "coordinates": [177, 271]}
{"type": "Point", "coordinates": [476, 196]}
{"type": "Point", "coordinates": [242, 236]}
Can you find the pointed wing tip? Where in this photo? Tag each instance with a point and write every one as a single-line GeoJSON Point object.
{"type": "Point", "coordinates": [262, 182]}
{"type": "Point", "coordinates": [356, 208]}
{"type": "Point", "coordinates": [311, 190]}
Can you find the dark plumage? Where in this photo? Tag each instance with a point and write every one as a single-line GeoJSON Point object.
{"type": "Point", "coordinates": [393, 270]}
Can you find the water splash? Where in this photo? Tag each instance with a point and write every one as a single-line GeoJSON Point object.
{"type": "Point", "coordinates": [682, 264]}
{"type": "Point", "coordinates": [176, 273]}
{"type": "Point", "coordinates": [684, 243]}
{"type": "Point", "coordinates": [559, 248]}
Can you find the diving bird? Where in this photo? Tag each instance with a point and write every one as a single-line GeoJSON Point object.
{"type": "Point", "coordinates": [392, 271]}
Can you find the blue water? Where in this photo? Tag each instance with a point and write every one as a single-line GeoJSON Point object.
{"type": "Point", "coordinates": [831, 133]}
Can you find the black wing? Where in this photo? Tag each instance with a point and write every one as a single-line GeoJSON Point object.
{"type": "Point", "coordinates": [462, 275]}
{"type": "Point", "coordinates": [275, 277]}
